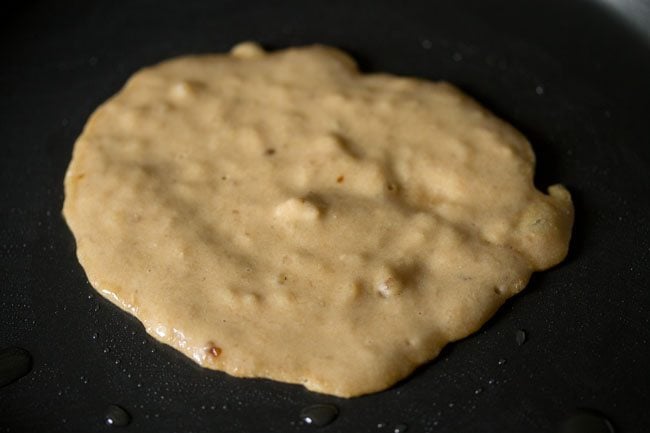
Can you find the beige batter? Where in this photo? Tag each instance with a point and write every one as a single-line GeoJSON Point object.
{"type": "Point", "coordinates": [281, 215]}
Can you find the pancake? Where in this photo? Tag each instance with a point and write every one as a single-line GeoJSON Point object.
{"type": "Point", "coordinates": [282, 215]}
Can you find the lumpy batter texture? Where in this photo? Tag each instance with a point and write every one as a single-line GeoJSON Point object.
{"type": "Point", "coordinates": [282, 215]}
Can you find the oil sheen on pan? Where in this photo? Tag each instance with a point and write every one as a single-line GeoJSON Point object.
{"type": "Point", "coordinates": [283, 215]}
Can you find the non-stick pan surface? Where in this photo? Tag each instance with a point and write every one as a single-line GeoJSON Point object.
{"type": "Point", "coordinates": [572, 75]}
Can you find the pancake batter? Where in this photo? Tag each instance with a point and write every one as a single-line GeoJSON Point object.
{"type": "Point", "coordinates": [282, 215]}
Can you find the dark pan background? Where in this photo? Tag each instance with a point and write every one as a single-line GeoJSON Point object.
{"type": "Point", "coordinates": [572, 75]}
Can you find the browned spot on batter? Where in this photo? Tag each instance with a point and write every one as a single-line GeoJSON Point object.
{"type": "Point", "coordinates": [214, 351]}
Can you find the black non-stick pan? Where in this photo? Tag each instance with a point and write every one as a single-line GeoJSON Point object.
{"type": "Point", "coordinates": [572, 75]}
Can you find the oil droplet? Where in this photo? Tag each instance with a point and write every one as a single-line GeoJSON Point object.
{"type": "Point", "coordinates": [116, 416]}
{"type": "Point", "coordinates": [400, 428]}
{"type": "Point", "coordinates": [520, 337]}
{"type": "Point", "coordinates": [14, 364]}
{"type": "Point", "coordinates": [586, 421]}
{"type": "Point", "coordinates": [319, 415]}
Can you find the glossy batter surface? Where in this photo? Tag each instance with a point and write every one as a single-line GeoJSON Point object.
{"type": "Point", "coordinates": [281, 215]}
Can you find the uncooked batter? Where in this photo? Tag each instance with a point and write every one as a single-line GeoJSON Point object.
{"type": "Point", "coordinates": [281, 215]}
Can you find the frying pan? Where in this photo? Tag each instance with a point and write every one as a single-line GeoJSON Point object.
{"type": "Point", "coordinates": [571, 75]}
